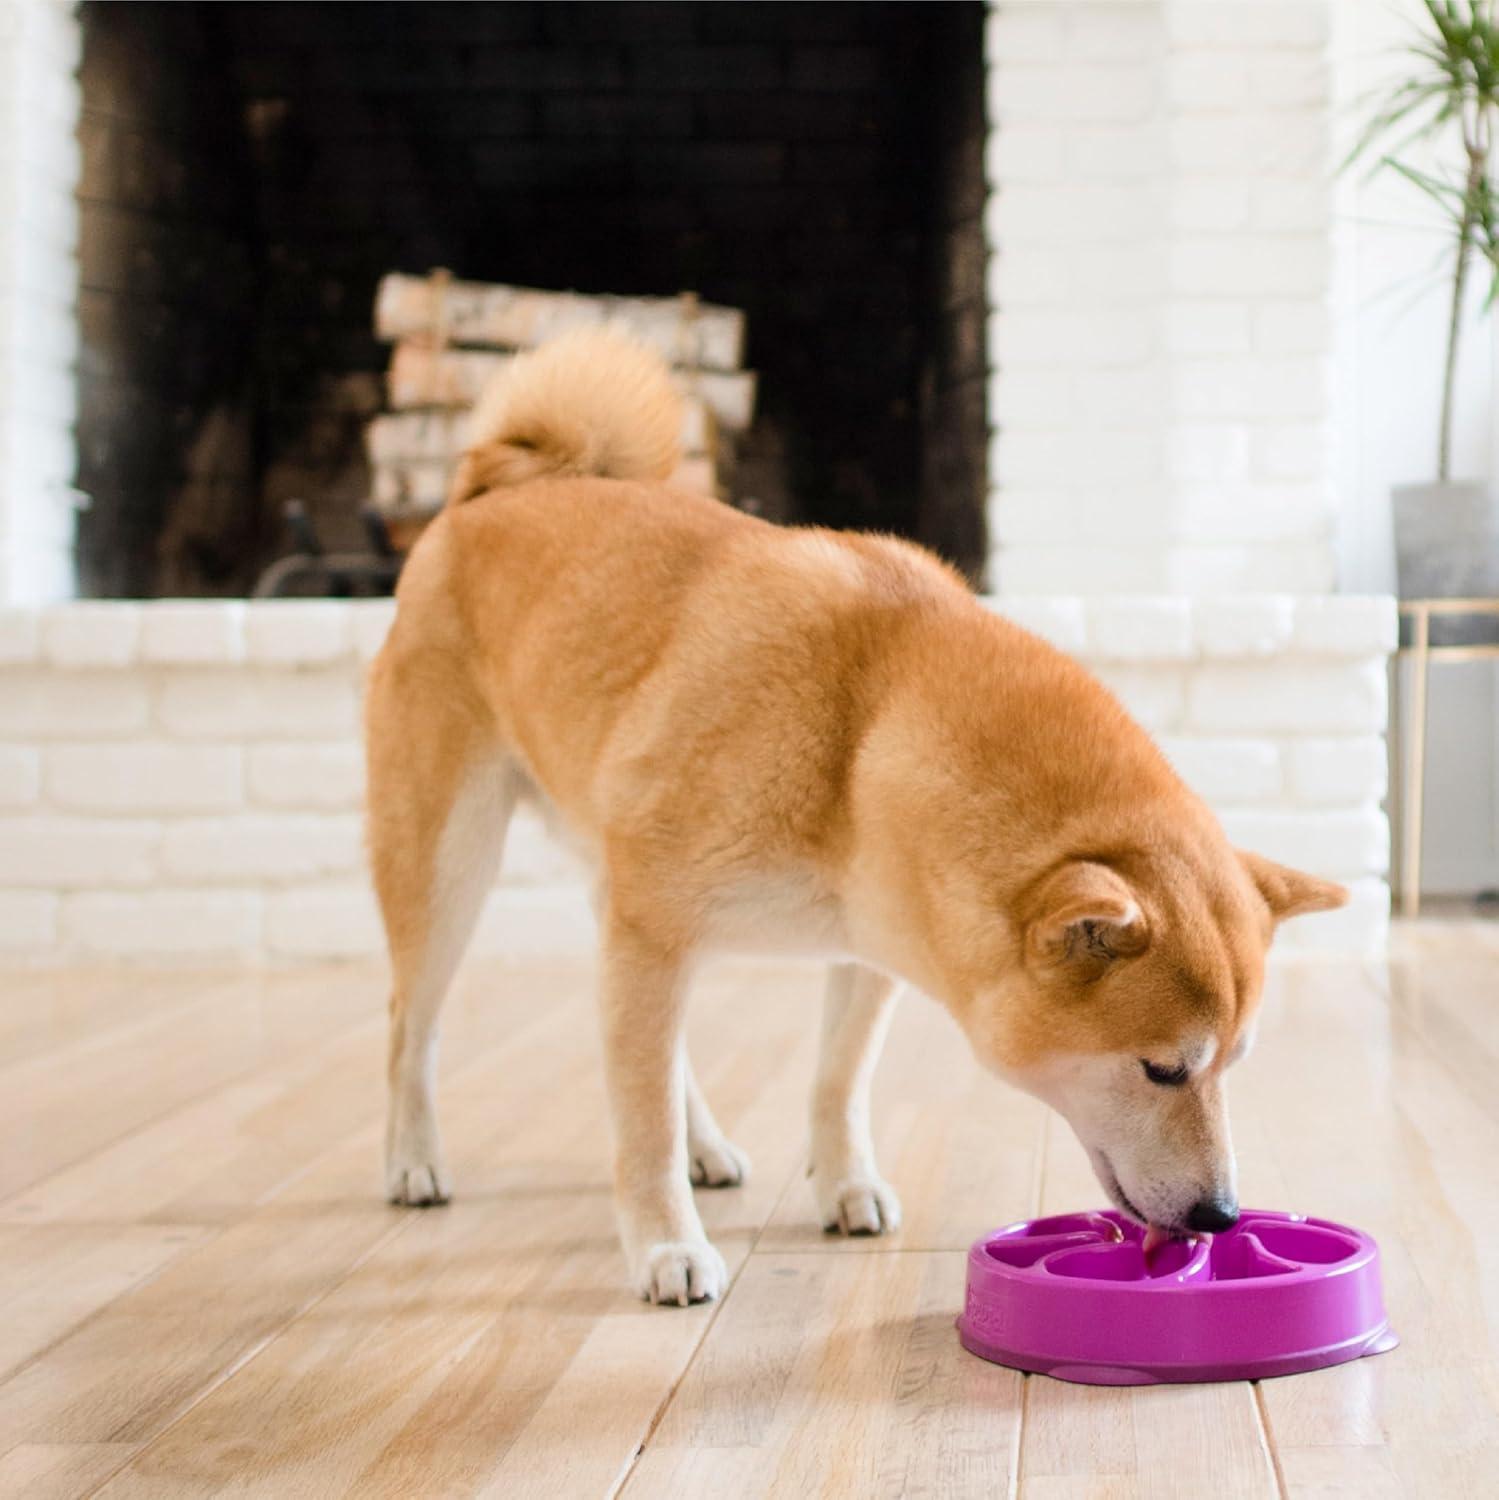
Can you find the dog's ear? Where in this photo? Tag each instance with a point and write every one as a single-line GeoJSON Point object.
{"type": "Point", "coordinates": [1288, 892]}
{"type": "Point", "coordinates": [1081, 918]}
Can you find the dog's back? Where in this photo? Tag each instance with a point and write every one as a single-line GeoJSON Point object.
{"type": "Point", "coordinates": [609, 620]}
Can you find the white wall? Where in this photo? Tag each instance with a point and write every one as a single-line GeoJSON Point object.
{"type": "Point", "coordinates": [39, 165]}
{"type": "Point", "coordinates": [1391, 287]}
{"type": "Point", "coordinates": [1159, 276]}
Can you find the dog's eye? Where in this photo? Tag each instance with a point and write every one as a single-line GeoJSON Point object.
{"type": "Point", "coordinates": [1168, 1078]}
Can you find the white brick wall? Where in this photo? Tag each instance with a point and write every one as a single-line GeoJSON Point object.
{"type": "Point", "coordinates": [314, 702]}
{"type": "Point", "coordinates": [154, 804]}
{"type": "Point", "coordinates": [1159, 337]}
{"type": "Point", "coordinates": [312, 775]}
{"type": "Point", "coordinates": [192, 922]}
{"type": "Point", "coordinates": [147, 778]}
{"type": "Point", "coordinates": [28, 922]}
{"type": "Point", "coordinates": [193, 632]}
{"type": "Point", "coordinates": [39, 107]}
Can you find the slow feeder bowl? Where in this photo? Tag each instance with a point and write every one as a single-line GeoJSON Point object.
{"type": "Point", "coordinates": [1075, 1297]}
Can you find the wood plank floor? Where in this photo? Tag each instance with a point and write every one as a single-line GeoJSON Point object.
{"type": "Point", "coordinates": [201, 1292]}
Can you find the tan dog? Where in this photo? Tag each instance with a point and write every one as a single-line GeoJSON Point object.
{"type": "Point", "coordinates": [792, 739]}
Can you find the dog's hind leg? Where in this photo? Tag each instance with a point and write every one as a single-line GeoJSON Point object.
{"type": "Point", "coordinates": [440, 798]}
{"type": "Point", "coordinates": [713, 1159]}
{"type": "Point", "coordinates": [851, 1194]}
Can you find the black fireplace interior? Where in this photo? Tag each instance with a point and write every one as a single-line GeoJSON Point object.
{"type": "Point", "coordinates": [251, 170]}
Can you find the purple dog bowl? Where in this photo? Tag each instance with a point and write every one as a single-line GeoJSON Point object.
{"type": "Point", "coordinates": [1075, 1297]}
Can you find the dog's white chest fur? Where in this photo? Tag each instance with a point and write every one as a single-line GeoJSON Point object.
{"type": "Point", "coordinates": [790, 914]}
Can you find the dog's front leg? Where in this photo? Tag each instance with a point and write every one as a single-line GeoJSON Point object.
{"type": "Point", "coordinates": [851, 1194]}
{"type": "Point", "coordinates": [643, 993]}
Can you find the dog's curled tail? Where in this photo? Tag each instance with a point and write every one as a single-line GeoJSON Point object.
{"type": "Point", "coordinates": [589, 402]}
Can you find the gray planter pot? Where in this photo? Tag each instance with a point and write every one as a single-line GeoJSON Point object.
{"type": "Point", "coordinates": [1447, 547]}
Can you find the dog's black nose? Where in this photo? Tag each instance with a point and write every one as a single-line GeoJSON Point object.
{"type": "Point", "coordinates": [1213, 1215]}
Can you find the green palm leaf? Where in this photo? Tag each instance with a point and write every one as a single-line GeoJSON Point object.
{"type": "Point", "coordinates": [1450, 100]}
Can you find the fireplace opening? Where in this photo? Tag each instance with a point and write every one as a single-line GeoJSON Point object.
{"type": "Point", "coordinates": [251, 171]}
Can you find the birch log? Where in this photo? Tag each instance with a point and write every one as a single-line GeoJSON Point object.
{"type": "Point", "coordinates": [419, 487]}
{"type": "Point", "coordinates": [423, 376]}
{"type": "Point", "coordinates": [442, 435]}
{"type": "Point", "coordinates": [687, 332]}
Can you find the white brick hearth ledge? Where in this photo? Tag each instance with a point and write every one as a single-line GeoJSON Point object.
{"type": "Point", "coordinates": [184, 779]}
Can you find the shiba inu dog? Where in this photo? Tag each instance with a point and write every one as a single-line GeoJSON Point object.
{"type": "Point", "coordinates": [793, 739]}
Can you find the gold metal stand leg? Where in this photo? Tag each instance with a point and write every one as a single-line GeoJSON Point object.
{"type": "Point", "coordinates": [1415, 773]}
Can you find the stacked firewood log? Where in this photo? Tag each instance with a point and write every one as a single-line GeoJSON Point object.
{"type": "Point", "coordinates": [451, 336]}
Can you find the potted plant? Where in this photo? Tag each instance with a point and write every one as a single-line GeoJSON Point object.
{"type": "Point", "coordinates": [1446, 533]}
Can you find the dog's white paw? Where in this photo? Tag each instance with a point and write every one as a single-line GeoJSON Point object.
{"type": "Point", "coordinates": [718, 1163]}
{"type": "Point", "coordinates": [681, 1271]}
{"type": "Point", "coordinates": [422, 1185]}
{"type": "Point", "coordinates": [859, 1205]}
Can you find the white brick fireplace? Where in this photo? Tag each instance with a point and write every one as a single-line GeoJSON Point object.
{"type": "Point", "coordinates": [185, 778]}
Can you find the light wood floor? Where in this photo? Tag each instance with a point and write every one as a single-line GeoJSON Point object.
{"type": "Point", "coordinates": [202, 1294]}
